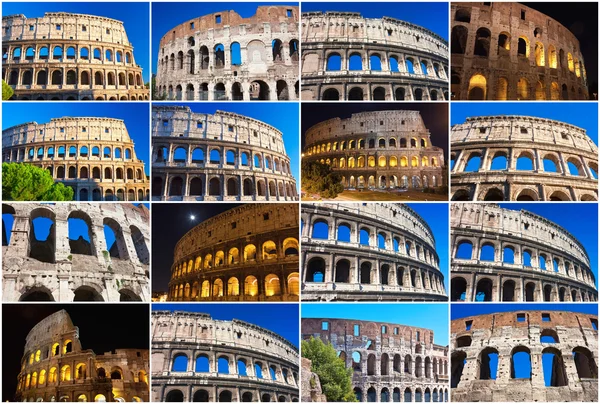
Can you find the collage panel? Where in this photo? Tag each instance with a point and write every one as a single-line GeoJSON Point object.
{"type": "Point", "coordinates": [76, 51]}
{"type": "Point", "coordinates": [366, 352]}
{"type": "Point", "coordinates": [225, 353]}
{"type": "Point", "coordinates": [373, 51]}
{"type": "Point", "coordinates": [524, 352]}
{"type": "Point", "coordinates": [75, 152]}
{"type": "Point", "coordinates": [524, 252]}
{"type": "Point", "coordinates": [233, 152]}
{"type": "Point", "coordinates": [227, 52]}
{"type": "Point", "coordinates": [226, 252]}
{"type": "Point", "coordinates": [374, 152]}
{"type": "Point", "coordinates": [524, 51]}
{"type": "Point", "coordinates": [71, 353]}
{"type": "Point", "coordinates": [524, 152]}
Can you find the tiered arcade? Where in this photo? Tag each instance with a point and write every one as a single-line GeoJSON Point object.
{"type": "Point", "coordinates": [65, 56]}
{"type": "Point", "coordinates": [346, 56]}
{"type": "Point", "coordinates": [197, 358]}
{"type": "Point", "coordinates": [507, 255]}
{"type": "Point", "coordinates": [368, 252]}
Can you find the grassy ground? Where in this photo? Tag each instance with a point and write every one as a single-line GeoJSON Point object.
{"type": "Point", "coordinates": [367, 196]}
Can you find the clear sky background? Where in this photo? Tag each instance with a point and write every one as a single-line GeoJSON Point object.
{"type": "Point", "coordinates": [433, 316]}
{"type": "Point", "coordinates": [281, 115]}
{"type": "Point", "coordinates": [168, 15]}
{"type": "Point", "coordinates": [135, 17]}
{"type": "Point", "coordinates": [135, 116]}
{"type": "Point", "coordinates": [430, 15]}
{"type": "Point", "coordinates": [581, 114]}
{"type": "Point", "coordinates": [568, 215]}
{"type": "Point", "coordinates": [281, 318]}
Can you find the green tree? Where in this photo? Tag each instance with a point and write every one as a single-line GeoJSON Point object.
{"type": "Point", "coordinates": [336, 379]}
{"type": "Point", "coordinates": [318, 178]}
{"type": "Point", "coordinates": [7, 91]}
{"type": "Point", "coordinates": [24, 182]}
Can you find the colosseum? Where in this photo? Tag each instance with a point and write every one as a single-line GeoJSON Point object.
{"type": "Point", "coordinates": [93, 156]}
{"type": "Point", "coordinates": [504, 255]}
{"type": "Point", "coordinates": [247, 253]}
{"type": "Point", "coordinates": [222, 56]}
{"type": "Point", "coordinates": [377, 150]}
{"type": "Point", "coordinates": [66, 56]}
{"type": "Point", "coordinates": [55, 367]}
{"type": "Point", "coordinates": [217, 157]}
{"type": "Point", "coordinates": [373, 252]}
{"type": "Point", "coordinates": [346, 56]}
{"type": "Point", "coordinates": [197, 358]}
{"type": "Point", "coordinates": [391, 362]}
{"type": "Point", "coordinates": [522, 158]}
{"type": "Point", "coordinates": [508, 51]}
{"type": "Point", "coordinates": [525, 356]}
{"type": "Point", "coordinates": [43, 261]}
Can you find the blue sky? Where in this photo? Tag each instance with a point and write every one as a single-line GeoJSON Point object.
{"type": "Point", "coordinates": [135, 117]}
{"type": "Point", "coordinates": [281, 318]}
{"type": "Point", "coordinates": [168, 15]}
{"type": "Point", "coordinates": [135, 17]}
{"type": "Point", "coordinates": [583, 115]}
{"type": "Point", "coordinates": [567, 216]}
{"type": "Point", "coordinates": [436, 216]}
{"type": "Point", "coordinates": [281, 115]}
{"type": "Point", "coordinates": [521, 360]}
{"type": "Point", "coordinates": [431, 15]}
{"type": "Point", "coordinates": [426, 315]}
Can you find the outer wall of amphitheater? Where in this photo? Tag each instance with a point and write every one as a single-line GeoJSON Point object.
{"type": "Point", "coordinates": [508, 51]}
{"type": "Point", "coordinates": [574, 350]}
{"type": "Point", "coordinates": [66, 56]}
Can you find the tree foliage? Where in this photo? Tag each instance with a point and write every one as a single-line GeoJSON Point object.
{"type": "Point", "coordinates": [318, 178]}
{"type": "Point", "coordinates": [336, 379]}
{"type": "Point", "coordinates": [7, 91]}
{"type": "Point", "coordinates": [24, 182]}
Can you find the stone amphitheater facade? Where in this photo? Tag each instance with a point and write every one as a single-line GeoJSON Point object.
{"type": "Point", "coordinates": [66, 56]}
{"type": "Point", "coordinates": [64, 270]}
{"type": "Point", "coordinates": [398, 60]}
{"type": "Point", "coordinates": [508, 51]}
{"type": "Point", "coordinates": [222, 56]}
{"type": "Point", "coordinates": [247, 253]}
{"type": "Point", "coordinates": [484, 349]}
{"type": "Point", "coordinates": [93, 156]}
{"type": "Point", "coordinates": [545, 262]}
{"type": "Point", "coordinates": [510, 138]}
{"type": "Point", "coordinates": [260, 364]}
{"type": "Point", "coordinates": [391, 362]}
{"type": "Point", "coordinates": [399, 262]}
{"type": "Point", "coordinates": [55, 367]}
{"type": "Point", "coordinates": [377, 150]}
{"type": "Point", "coordinates": [224, 157]}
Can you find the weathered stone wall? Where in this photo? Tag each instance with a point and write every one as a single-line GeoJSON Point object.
{"type": "Point", "coordinates": [65, 56]}
{"type": "Point", "coordinates": [406, 269]}
{"type": "Point", "coordinates": [559, 267]}
{"type": "Point", "coordinates": [59, 269]}
{"type": "Point", "coordinates": [195, 335]}
{"type": "Point", "coordinates": [394, 42]}
{"type": "Point", "coordinates": [382, 149]}
{"type": "Point", "coordinates": [391, 362]}
{"type": "Point", "coordinates": [252, 163]}
{"type": "Point", "coordinates": [310, 384]}
{"type": "Point", "coordinates": [513, 137]}
{"type": "Point", "coordinates": [94, 156]}
{"type": "Point", "coordinates": [574, 367]}
{"type": "Point", "coordinates": [54, 367]}
{"type": "Point", "coordinates": [195, 58]}
{"type": "Point", "coordinates": [249, 252]}
{"type": "Point", "coordinates": [508, 51]}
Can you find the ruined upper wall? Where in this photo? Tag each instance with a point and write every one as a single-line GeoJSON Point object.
{"type": "Point", "coordinates": [97, 29]}
{"type": "Point", "coordinates": [50, 329]}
